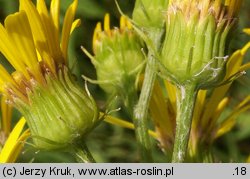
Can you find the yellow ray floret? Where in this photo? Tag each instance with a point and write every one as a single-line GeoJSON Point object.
{"type": "Point", "coordinates": [15, 141]}
{"type": "Point", "coordinates": [123, 123]}
{"type": "Point", "coordinates": [230, 121]}
{"type": "Point", "coordinates": [30, 41]}
{"type": "Point", "coordinates": [75, 24]}
{"type": "Point", "coordinates": [67, 24]}
{"type": "Point", "coordinates": [51, 31]}
{"type": "Point", "coordinates": [107, 24]}
{"type": "Point", "coordinates": [5, 79]}
{"type": "Point", "coordinates": [38, 31]}
{"type": "Point", "coordinates": [124, 23]}
{"type": "Point", "coordinates": [7, 48]}
{"type": "Point", "coordinates": [55, 13]}
{"type": "Point", "coordinates": [46, 31]}
{"type": "Point", "coordinates": [24, 44]}
{"type": "Point", "coordinates": [100, 33]}
{"type": "Point", "coordinates": [97, 30]}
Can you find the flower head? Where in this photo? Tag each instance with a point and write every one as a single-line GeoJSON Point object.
{"type": "Point", "coordinates": [57, 110]}
{"type": "Point", "coordinates": [118, 57]}
{"type": "Point", "coordinates": [197, 36]}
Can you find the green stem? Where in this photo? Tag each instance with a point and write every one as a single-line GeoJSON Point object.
{"type": "Point", "coordinates": [141, 111]}
{"type": "Point", "coordinates": [82, 153]}
{"type": "Point", "coordinates": [186, 98]}
{"type": "Point", "coordinates": [140, 116]}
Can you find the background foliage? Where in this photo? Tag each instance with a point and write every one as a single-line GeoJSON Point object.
{"type": "Point", "coordinates": [114, 144]}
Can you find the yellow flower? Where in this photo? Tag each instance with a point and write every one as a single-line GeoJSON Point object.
{"type": "Point", "coordinates": [57, 110]}
{"type": "Point", "coordinates": [30, 41]}
{"type": "Point", "coordinates": [12, 141]}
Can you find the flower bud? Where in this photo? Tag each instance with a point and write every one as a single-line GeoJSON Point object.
{"type": "Point", "coordinates": [197, 40]}
{"type": "Point", "coordinates": [118, 56]}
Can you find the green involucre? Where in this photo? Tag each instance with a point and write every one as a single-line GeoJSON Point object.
{"type": "Point", "coordinates": [194, 49]}
{"type": "Point", "coordinates": [59, 113]}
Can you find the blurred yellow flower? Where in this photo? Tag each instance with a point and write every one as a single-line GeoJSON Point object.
{"type": "Point", "coordinates": [13, 140]}
{"type": "Point", "coordinates": [247, 31]}
{"type": "Point", "coordinates": [248, 160]}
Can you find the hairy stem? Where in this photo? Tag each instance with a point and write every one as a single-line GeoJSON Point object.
{"type": "Point", "coordinates": [141, 111]}
{"type": "Point", "coordinates": [140, 116]}
{"type": "Point", "coordinates": [185, 106]}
